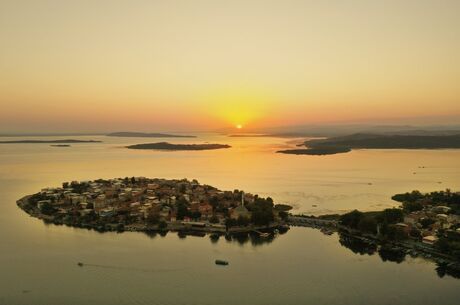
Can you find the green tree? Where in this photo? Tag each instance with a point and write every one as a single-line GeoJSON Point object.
{"type": "Point", "coordinates": [152, 218]}
{"type": "Point", "coordinates": [195, 215]}
{"type": "Point", "coordinates": [409, 206]}
{"type": "Point", "coordinates": [391, 216]}
{"type": "Point", "coordinates": [214, 219]}
{"type": "Point", "coordinates": [47, 208]}
{"type": "Point", "coordinates": [351, 219]}
{"type": "Point", "coordinates": [162, 225]}
{"type": "Point", "coordinates": [426, 222]}
{"type": "Point", "coordinates": [283, 215]}
{"type": "Point", "coordinates": [242, 221]}
{"type": "Point", "coordinates": [368, 224]}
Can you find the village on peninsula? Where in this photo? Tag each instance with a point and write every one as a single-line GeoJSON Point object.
{"type": "Point", "coordinates": [145, 204]}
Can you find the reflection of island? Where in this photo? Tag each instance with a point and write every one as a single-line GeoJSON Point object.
{"type": "Point", "coordinates": [48, 141]}
{"type": "Point", "coordinates": [391, 253]}
{"type": "Point", "coordinates": [129, 134]}
{"type": "Point", "coordinates": [60, 145]}
{"type": "Point", "coordinates": [374, 141]}
{"type": "Point", "coordinates": [242, 238]}
{"type": "Point", "coordinates": [169, 146]}
{"type": "Point", "coordinates": [143, 204]}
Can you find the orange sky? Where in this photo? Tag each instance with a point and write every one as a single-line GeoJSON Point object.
{"type": "Point", "coordinates": [207, 64]}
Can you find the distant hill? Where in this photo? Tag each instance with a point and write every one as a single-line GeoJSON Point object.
{"type": "Point", "coordinates": [130, 134]}
{"type": "Point", "coordinates": [361, 140]}
{"type": "Point", "coordinates": [169, 146]}
{"type": "Point", "coordinates": [335, 130]}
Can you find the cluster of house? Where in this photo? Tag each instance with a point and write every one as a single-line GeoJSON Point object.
{"type": "Point", "coordinates": [139, 198]}
{"type": "Point", "coordinates": [428, 221]}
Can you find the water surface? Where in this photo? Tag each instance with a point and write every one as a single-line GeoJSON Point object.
{"type": "Point", "coordinates": [38, 261]}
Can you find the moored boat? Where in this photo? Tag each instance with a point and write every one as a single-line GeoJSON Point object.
{"type": "Point", "coordinates": [221, 262]}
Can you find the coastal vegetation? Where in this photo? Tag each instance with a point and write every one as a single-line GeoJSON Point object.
{"type": "Point", "coordinates": [431, 218]}
{"type": "Point", "coordinates": [169, 146]}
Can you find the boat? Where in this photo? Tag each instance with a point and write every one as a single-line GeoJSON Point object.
{"type": "Point", "coordinates": [80, 264]}
{"type": "Point", "coordinates": [221, 262]}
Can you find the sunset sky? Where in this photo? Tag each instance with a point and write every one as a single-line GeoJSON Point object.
{"type": "Point", "coordinates": [208, 64]}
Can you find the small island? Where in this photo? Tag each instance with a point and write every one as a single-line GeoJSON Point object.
{"type": "Point", "coordinates": [130, 134]}
{"type": "Point", "coordinates": [68, 141]}
{"type": "Point", "coordinates": [145, 204]}
{"type": "Point", "coordinates": [169, 146]}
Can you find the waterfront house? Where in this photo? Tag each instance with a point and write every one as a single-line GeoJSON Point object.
{"type": "Point", "coordinates": [429, 240]}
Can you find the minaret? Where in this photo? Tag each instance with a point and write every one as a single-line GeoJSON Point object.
{"type": "Point", "coordinates": [242, 198]}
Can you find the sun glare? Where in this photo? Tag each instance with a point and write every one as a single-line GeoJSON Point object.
{"type": "Point", "coordinates": [238, 106]}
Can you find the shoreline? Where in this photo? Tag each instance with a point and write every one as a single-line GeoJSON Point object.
{"type": "Point", "coordinates": [177, 226]}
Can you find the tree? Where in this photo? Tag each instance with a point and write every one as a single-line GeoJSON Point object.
{"type": "Point", "coordinates": [182, 209]}
{"type": "Point", "coordinates": [283, 215]}
{"type": "Point", "coordinates": [230, 222]}
{"type": "Point", "coordinates": [368, 224]}
{"type": "Point", "coordinates": [242, 221]}
{"type": "Point", "coordinates": [392, 215]}
{"type": "Point", "coordinates": [409, 206]}
{"type": "Point", "coordinates": [152, 218]}
{"type": "Point", "coordinates": [410, 197]}
{"type": "Point", "coordinates": [214, 219]}
{"type": "Point", "coordinates": [195, 215]}
{"type": "Point", "coordinates": [47, 208]}
{"type": "Point", "coordinates": [351, 219]}
{"type": "Point", "coordinates": [162, 225]}
{"type": "Point", "coordinates": [394, 233]}
{"type": "Point", "coordinates": [214, 201]}
{"type": "Point", "coordinates": [426, 222]}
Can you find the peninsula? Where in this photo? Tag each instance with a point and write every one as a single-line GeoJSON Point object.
{"type": "Point", "coordinates": [67, 141]}
{"type": "Point", "coordinates": [144, 204]}
{"type": "Point", "coordinates": [129, 134]}
{"type": "Point", "coordinates": [344, 144]}
{"type": "Point", "coordinates": [169, 146]}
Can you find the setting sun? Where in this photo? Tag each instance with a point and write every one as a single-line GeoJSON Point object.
{"type": "Point", "coordinates": [239, 126]}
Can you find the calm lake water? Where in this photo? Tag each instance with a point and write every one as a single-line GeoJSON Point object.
{"type": "Point", "coordinates": [38, 262]}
